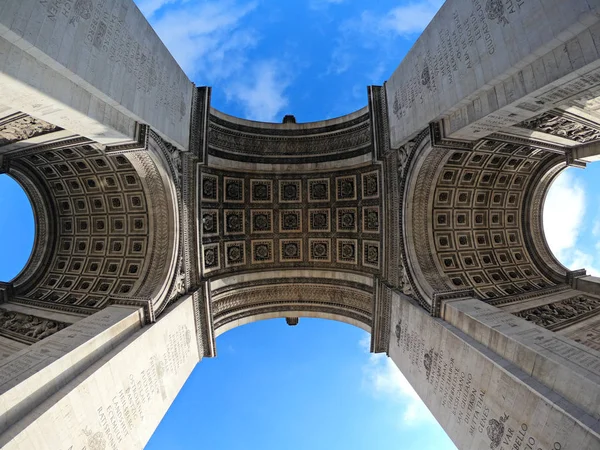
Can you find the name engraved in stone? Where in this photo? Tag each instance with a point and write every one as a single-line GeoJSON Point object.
{"type": "Point", "coordinates": [582, 358]}
{"type": "Point", "coordinates": [461, 393]}
{"type": "Point", "coordinates": [141, 390]}
{"type": "Point", "coordinates": [457, 50]}
{"type": "Point", "coordinates": [107, 33]}
{"type": "Point", "coordinates": [572, 88]}
{"type": "Point", "coordinates": [12, 369]}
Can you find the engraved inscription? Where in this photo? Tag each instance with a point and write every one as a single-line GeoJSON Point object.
{"type": "Point", "coordinates": [108, 33]}
{"type": "Point", "coordinates": [457, 50]}
{"type": "Point", "coordinates": [129, 406]}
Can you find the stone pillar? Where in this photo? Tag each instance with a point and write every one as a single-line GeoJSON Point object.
{"type": "Point", "coordinates": [104, 382]}
{"type": "Point", "coordinates": [92, 67]}
{"type": "Point", "coordinates": [467, 378]}
{"type": "Point", "coordinates": [485, 65]}
{"type": "Point", "coordinates": [6, 291]}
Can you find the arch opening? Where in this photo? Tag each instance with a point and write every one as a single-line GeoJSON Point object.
{"type": "Point", "coordinates": [17, 228]}
{"type": "Point", "coordinates": [571, 219]}
{"type": "Point", "coordinates": [318, 375]}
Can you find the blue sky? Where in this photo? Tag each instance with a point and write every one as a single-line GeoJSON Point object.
{"type": "Point", "coordinates": [16, 228]}
{"type": "Point", "coordinates": [313, 386]}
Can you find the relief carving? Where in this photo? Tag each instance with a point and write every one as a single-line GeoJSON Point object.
{"type": "Point", "coordinates": [551, 316]}
{"type": "Point", "coordinates": [23, 127]}
{"type": "Point", "coordinates": [562, 127]}
{"type": "Point", "coordinates": [26, 326]}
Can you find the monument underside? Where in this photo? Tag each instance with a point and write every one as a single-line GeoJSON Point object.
{"type": "Point", "coordinates": [161, 223]}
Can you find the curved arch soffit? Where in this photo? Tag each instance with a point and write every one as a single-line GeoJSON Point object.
{"type": "Point", "coordinates": [150, 178]}
{"type": "Point", "coordinates": [538, 227]}
{"type": "Point", "coordinates": [323, 294]}
{"type": "Point", "coordinates": [283, 314]}
{"type": "Point", "coordinates": [411, 196]}
{"type": "Point", "coordinates": [507, 237]}
{"type": "Point", "coordinates": [45, 219]}
{"type": "Point", "coordinates": [163, 199]}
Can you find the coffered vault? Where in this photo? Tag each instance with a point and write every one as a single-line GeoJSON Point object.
{"type": "Point", "coordinates": [286, 220]}
{"type": "Point", "coordinates": [162, 223]}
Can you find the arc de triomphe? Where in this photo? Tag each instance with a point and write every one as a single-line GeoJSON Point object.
{"type": "Point", "coordinates": [162, 223]}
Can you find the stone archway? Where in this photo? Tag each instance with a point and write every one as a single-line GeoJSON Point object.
{"type": "Point", "coordinates": [106, 230]}
{"type": "Point", "coordinates": [163, 222]}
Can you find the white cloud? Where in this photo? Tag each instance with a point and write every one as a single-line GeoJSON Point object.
{"type": "Point", "coordinates": [564, 219]}
{"type": "Point", "coordinates": [261, 93]}
{"type": "Point", "coordinates": [149, 7]}
{"type": "Point", "coordinates": [206, 38]}
{"type": "Point", "coordinates": [564, 211]}
{"type": "Point", "coordinates": [404, 21]}
{"type": "Point", "coordinates": [410, 19]}
{"type": "Point", "coordinates": [383, 378]}
{"type": "Point", "coordinates": [581, 260]}
{"type": "Point", "coordinates": [596, 228]}
{"type": "Point", "coordinates": [378, 33]}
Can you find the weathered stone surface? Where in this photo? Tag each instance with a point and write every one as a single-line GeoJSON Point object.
{"type": "Point", "coordinates": [91, 66]}
{"type": "Point", "coordinates": [119, 401]}
{"type": "Point", "coordinates": [478, 56]}
{"type": "Point", "coordinates": [568, 368]}
{"type": "Point", "coordinates": [480, 399]}
{"type": "Point", "coordinates": [28, 377]}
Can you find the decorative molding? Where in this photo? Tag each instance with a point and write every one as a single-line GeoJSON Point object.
{"type": "Point", "coordinates": [510, 299]}
{"type": "Point", "coordinates": [7, 292]}
{"type": "Point", "coordinates": [278, 144]}
{"type": "Point", "coordinates": [438, 298]}
{"type": "Point", "coordinates": [199, 123]}
{"type": "Point", "coordinates": [378, 111]}
{"type": "Point", "coordinates": [346, 284]}
{"type": "Point", "coordinates": [4, 164]}
{"type": "Point", "coordinates": [406, 158]}
{"type": "Point", "coordinates": [421, 219]}
{"type": "Point", "coordinates": [292, 321]}
{"type": "Point", "coordinates": [145, 304]}
{"type": "Point", "coordinates": [203, 319]}
{"type": "Point", "coordinates": [189, 212]}
{"type": "Point", "coordinates": [532, 211]}
{"type": "Point", "coordinates": [572, 162]}
{"type": "Point", "coordinates": [572, 275]}
{"type": "Point", "coordinates": [439, 140]}
{"type": "Point", "coordinates": [289, 297]}
{"type": "Point", "coordinates": [391, 220]}
{"type": "Point", "coordinates": [46, 220]}
{"type": "Point", "coordinates": [140, 141]}
{"type": "Point", "coordinates": [57, 145]}
{"type": "Point", "coordinates": [382, 317]}
{"type": "Point", "coordinates": [73, 309]}
{"type": "Point", "coordinates": [529, 141]}
{"type": "Point", "coordinates": [159, 256]}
